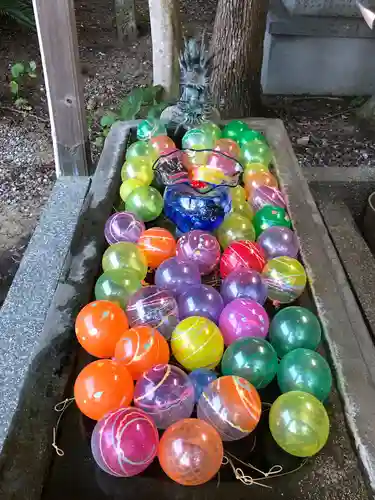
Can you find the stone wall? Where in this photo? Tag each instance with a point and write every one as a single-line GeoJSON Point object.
{"type": "Point", "coordinates": [346, 8]}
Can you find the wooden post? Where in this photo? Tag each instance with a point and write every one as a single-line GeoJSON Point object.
{"type": "Point", "coordinates": [55, 21]}
{"type": "Point", "coordinates": [126, 20]}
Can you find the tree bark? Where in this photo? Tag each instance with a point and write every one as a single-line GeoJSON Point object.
{"type": "Point", "coordinates": [166, 44]}
{"type": "Point", "coordinates": [237, 46]}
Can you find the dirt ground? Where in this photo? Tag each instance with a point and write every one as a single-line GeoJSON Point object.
{"type": "Point", "coordinates": [323, 131]}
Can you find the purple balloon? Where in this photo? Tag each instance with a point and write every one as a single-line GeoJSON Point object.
{"type": "Point", "coordinates": [201, 300]}
{"type": "Point", "coordinates": [200, 247]}
{"type": "Point", "coordinates": [266, 195]}
{"type": "Point", "coordinates": [243, 318]}
{"type": "Point", "coordinates": [244, 284]}
{"type": "Point", "coordinates": [154, 307]}
{"type": "Point", "coordinates": [123, 226]}
{"type": "Point", "coordinates": [177, 276]}
{"type": "Point", "coordinates": [165, 393]}
{"type": "Point", "coordinates": [278, 241]}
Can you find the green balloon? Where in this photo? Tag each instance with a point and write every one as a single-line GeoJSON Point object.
{"type": "Point", "coordinates": [305, 370]}
{"type": "Point", "coordinates": [139, 148]}
{"type": "Point", "coordinates": [256, 152]}
{"type": "Point", "coordinates": [117, 285]}
{"type": "Point", "coordinates": [294, 327]}
{"type": "Point", "coordinates": [234, 130]}
{"type": "Point", "coordinates": [252, 135]}
{"type": "Point", "coordinates": [139, 168]}
{"type": "Point", "coordinates": [299, 423]}
{"type": "Point", "coordinates": [235, 227]}
{"type": "Point", "coordinates": [242, 207]}
{"type": "Point", "coordinates": [125, 255]}
{"type": "Point", "coordinates": [145, 202]}
{"type": "Point", "coordinates": [198, 138]}
{"type": "Point", "coordinates": [212, 130]}
{"type": "Point", "coordinates": [150, 128]}
{"type": "Point", "coordinates": [251, 358]}
{"type": "Point", "coordinates": [270, 216]}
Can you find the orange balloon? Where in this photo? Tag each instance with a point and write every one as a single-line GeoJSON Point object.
{"type": "Point", "coordinates": [158, 245]}
{"type": "Point", "coordinates": [257, 179]}
{"type": "Point", "coordinates": [102, 386]}
{"type": "Point", "coordinates": [228, 147]}
{"type": "Point", "coordinates": [252, 168]}
{"type": "Point", "coordinates": [99, 325]}
{"type": "Point", "coordinates": [162, 144]}
{"type": "Point", "coordinates": [190, 452]}
{"type": "Point", "coordinates": [141, 348]}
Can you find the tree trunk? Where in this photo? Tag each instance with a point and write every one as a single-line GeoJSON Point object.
{"type": "Point", "coordinates": [237, 46]}
{"type": "Point", "coordinates": [166, 44]}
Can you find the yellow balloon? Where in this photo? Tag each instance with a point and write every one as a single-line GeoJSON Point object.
{"type": "Point", "coordinates": [125, 255]}
{"type": "Point", "coordinates": [138, 168]}
{"type": "Point", "coordinates": [235, 227]}
{"type": "Point", "coordinates": [238, 193]}
{"type": "Point", "coordinates": [242, 207]}
{"type": "Point", "coordinates": [197, 343]}
{"type": "Point", "coordinates": [285, 278]}
{"type": "Point", "coordinates": [128, 186]}
{"type": "Point", "coordinates": [251, 168]}
{"type": "Point", "coordinates": [299, 423]}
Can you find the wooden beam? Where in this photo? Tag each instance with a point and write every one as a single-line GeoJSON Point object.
{"type": "Point", "coordinates": [126, 20]}
{"type": "Point", "coordinates": [57, 33]}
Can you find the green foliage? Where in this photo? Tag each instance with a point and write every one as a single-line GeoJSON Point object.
{"type": "Point", "coordinates": [20, 74]}
{"type": "Point", "coordinates": [19, 10]}
{"type": "Point", "coordinates": [140, 103]}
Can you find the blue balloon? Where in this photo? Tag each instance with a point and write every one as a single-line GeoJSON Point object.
{"type": "Point", "coordinates": [201, 378]}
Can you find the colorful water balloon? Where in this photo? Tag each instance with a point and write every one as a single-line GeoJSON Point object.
{"type": "Point", "coordinates": [235, 227]}
{"type": "Point", "coordinates": [244, 284]}
{"type": "Point", "coordinates": [197, 343]}
{"type": "Point", "coordinates": [177, 275]}
{"type": "Point", "coordinates": [285, 278]}
{"type": "Point", "coordinates": [125, 255]}
{"type": "Point", "coordinates": [242, 255]}
{"type": "Point", "coordinates": [150, 128]}
{"type": "Point", "coordinates": [123, 226]}
{"type": "Point", "coordinates": [243, 208]}
{"type": "Point", "coordinates": [267, 195]}
{"type": "Point", "coordinates": [228, 147]}
{"type": "Point", "coordinates": [211, 130]}
{"type": "Point", "coordinates": [200, 247]}
{"type": "Point", "coordinates": [103, 386]}
{"type": "Point", "coordinates": [162, 145]}
{"type": "Point", "coordinates": [139, 148]}
{"type": "Point", "coordinates": [190, 452]}
{"type": "Point", "coordinates": [243, 318]}
{"type": "Point", "coordinates": [201, 378]}
{"type": "Point", "coordinates": [251, 358]}
{"type": "Point", "coordinates": [269, 216]}
{"type": "Point", "coordinates": [278, 241]}
{"type": "Point", "coordinates": [154, 307]}
{"type": "Point", "coordinates": [305, 370]}
{"type": "Point", "coordinates": [140, 348]}
{"type": "Point", "coordinates": [238, 193]}
{"type": "Point", "coordinates": [139, 168]}
{"type": "Point", "coordinates": [251, 135]}
{"type": "Point", "coordinates": [145, 202]}
{"type": "Point", "coordinates": [158, 245]}
{"type": "Point", "coordinates": [196, 138]}
{"type": "Point", "coordinates": [128, 186]}
{"type": "Point", "coordinates": [294, 327]}
{"type": "Point", "coordinates": [256, 152]}
{"type": "Point", "coordinates": [117, 285]}
{"type": "Point", "coordinates": [124, 442]}
{"type": "Point", "coordinates": [254, 180]}
{"type": "Point", "coordinates": [234, 130]}
{"type": "Point", "coordinates": [232, 406]}
{"type": "Point", "coordinates": [299, 423]}
{"type": "Point", "coordinates": [166, 394]}
{"type": "Point", "coordinates": [253, 168]}
{"type": "Point", "coordinates": [200, 300]}
{"type": "Point", "coordinates": [98, 327]}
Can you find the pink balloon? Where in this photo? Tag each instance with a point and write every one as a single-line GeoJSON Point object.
{"type": "Point", "coordinates": [200, 247]}
{"type": "Point", "coordinates": [243, 318]}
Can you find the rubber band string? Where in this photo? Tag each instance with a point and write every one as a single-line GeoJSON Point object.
{"type": "Point", "coordinates": [60, 408]}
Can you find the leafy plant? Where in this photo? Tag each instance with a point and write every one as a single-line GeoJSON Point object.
{"type": "Point", "coordinates": [19, 10]}
{"type": "Point", "coordinates": [20, 74]}
{"type": "Point", "coordinates": [142, 102]}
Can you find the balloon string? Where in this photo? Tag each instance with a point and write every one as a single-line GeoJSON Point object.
{"type": "Point", "coordinates": [274, 471]}
{"type": "Point", "coordinates": [60, 407]}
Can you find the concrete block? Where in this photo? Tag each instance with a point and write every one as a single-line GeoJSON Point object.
{"type": "Point", "coordinates": [346, 8]}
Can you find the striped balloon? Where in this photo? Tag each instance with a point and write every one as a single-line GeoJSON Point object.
{"type": "Point", "coordinates": [242, 254]}
{"type": "Point", "coordinates": [123, 226]}
{"type": "Point", "coordinates": [232, 406]}
{"type": "Point", "coordinates": [285, 278]}
{"type": "Point", "coordinates": [124, 442]}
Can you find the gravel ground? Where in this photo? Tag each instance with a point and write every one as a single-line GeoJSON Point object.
{"type": "Point", "coordinates": [323, 131]}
